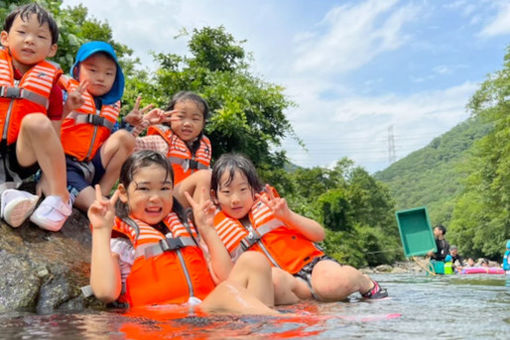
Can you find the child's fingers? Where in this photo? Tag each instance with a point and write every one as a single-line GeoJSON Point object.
{"type": "Point", "coordinates": [114, 197]}
{"type": "Point", "coordinates": [190, 200]}
{"type": "Point", "coordinates": [137, 103]}
{"type": "Point", "coordinates": [82, 86]}
{"type": "Point", "coordinates": [99, 193]}
{"type": "Point", "coordinates": [269, 192]}
{"type": "Point", "coordinates": [147, 108]}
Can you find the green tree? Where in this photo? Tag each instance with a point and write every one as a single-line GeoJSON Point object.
{"type": "Point", "coordinates": [482, 215]}
{"type": "Point", "coordinates": [247, 113]}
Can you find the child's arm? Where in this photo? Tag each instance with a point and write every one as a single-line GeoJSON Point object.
{"type": "Point", "coordinates": [104, 267]}
{"type": "Point", "coordinates": [311, 229]}
{"type": "Point", "coordinates": [203, 213]}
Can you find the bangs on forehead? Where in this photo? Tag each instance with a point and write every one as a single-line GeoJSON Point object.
{"type": "Point", "coordinates": [231, 171]}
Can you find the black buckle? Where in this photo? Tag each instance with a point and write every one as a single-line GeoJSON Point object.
{"type": "Point", "coordinates": [193, 164]}
{"type": "Point", "coordinates": [169, 244]}
{"type": "Point", "coordinates": [249, 241]}
{"type": "Point", "coordinates": [11, 92]}
{"type": "Point", "coordinates": [95, 120]}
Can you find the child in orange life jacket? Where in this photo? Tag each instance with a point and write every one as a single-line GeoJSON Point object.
{"type": "Point", "coordinates": [93, 154]}
{"type": "Point", "coordinates": [170, 265]}
{"type": "Point", "coordinates": [30, 117]}
{"type": "Point", "coordinates": [179, 135]}
{"type": "Point", "coordinates": [254, 217]}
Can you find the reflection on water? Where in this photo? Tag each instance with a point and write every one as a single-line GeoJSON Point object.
{"type": "Point", "coordinates": [420, 307]}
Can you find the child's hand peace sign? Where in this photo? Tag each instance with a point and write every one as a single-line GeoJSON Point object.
{"type": "Point", "coordinates": [203, 210]}
{"type": "Point", "coordinates": [277, 204]}
{"type": "Point", "coordinates": [136, 115]}
{"type": "Point", "coordinates": [171, 116]}
{"type": "Point", "coordinates": [101, 213]}
{"type": "Point", "coordinates": [75, 98]}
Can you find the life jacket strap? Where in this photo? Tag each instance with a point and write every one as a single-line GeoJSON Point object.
{"type": "Point", "coordinates": [188, 163]}
{"type": "Point", "coordinates": [80, 118]}
{"type": "Point", "coordinates": [254, 236]}
{"type": "Point", "coordinates": [168, 244]}
{"type": "Point", "coordinates": [19, 93]}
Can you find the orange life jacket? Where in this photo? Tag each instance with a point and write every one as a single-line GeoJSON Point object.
{"type": "Point", "coordinates": [284, 247]}
{"type": "Point", "coordinates": [184, 163]}
{"type": "Point", "coordinates": [85, 129]}
{"type": "Point", "coordinates": [168, 269]}
{"type": "Point", "coordinates": [19, 98]}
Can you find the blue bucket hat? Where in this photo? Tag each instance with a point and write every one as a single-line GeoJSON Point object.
{"type": "Point", "coordinates": [90, 48]}
{"type": "Point", "coordinates": [508, 244]}
{"type": "Point", "coordinates": [448, 258]}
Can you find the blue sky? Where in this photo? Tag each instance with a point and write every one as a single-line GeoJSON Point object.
{"type": "Point", "coordinates": [355, 69]}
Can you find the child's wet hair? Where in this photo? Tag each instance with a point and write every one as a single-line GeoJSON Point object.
{"type": "Point", "coordinates": [142, 159]}
{"type": "Point", "coordinates": [232, 162]}
{"type": "Point", "coordinates": [188, 95]}
{"type": "Point", "coordinates": [43, 17]}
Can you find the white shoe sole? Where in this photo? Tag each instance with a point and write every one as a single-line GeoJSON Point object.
{"type": "Point", "coordinates": [17, 211]}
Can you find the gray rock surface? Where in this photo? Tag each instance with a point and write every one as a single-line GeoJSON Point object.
{"type": "Point", "coordinates": [42, 271]}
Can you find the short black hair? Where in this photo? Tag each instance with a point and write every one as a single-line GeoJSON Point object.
{"type": "Point", "coordinates": [43, 17]}
{"type": "Point", "coordinates": [442, 228]}
{"type": "Point", "coordinates": [230, 163]}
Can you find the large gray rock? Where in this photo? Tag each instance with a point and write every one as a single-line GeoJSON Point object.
{"type": "Point", "coordinates": [42, 271]}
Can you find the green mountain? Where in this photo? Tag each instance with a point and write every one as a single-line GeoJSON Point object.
{"type": "Point", "coordinates": [433, 176]}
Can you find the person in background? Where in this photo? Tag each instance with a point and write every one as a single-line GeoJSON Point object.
{"type": "Point", "coordinates": [443, 248]}
{"type": "Point", "coordinates": [457, 260]}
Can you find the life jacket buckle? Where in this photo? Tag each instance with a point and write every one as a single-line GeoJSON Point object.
{"type": "Point", "coordinates": [169, 244]}
{"type": "Point", "coordinates": [95, 120]}
{"type": "Point", "coordinates": [193, 164]}
{"type": "Point", "coordinates": [10, 92]}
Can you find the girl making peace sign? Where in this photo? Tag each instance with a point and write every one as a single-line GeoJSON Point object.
{"type": "Point", "coordinates": [175, 260]}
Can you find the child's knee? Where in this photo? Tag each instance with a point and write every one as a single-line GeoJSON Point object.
{"type": "Point", "coordinates": [36, 122]}
{"type": "Point", "coordinates": [124, 140]}
{"type": "Point", "coordinates": [255, 261]}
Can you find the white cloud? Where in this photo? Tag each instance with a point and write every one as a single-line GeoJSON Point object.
{"type": "Point", "coordinates": [354, 36]}
{"type": "Point", "coordinates": [357, 127]}
{"type": "Point", "coordinates": [500, 25]}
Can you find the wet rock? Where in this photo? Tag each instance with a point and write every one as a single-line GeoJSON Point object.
{"type": "Point", "coordinates": [42, 271]}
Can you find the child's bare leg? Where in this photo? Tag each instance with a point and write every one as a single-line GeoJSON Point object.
{"type": "Point", "coordinates": [284, 286]}
{"type": "Point", "coordinates": [85, 198]}
{"type": "Point", "coordinates": [253, 272]}
{"type": "Point", "coordinates": [39, 142]}
{"type": "Point", "coordinates": [193, 184]}
{"type": "Point", "coordinates": [333, 282]}
{"type": "Point", "coordinates": [114, 152]}
{"type": "Point", "coordinates": [231, 297]}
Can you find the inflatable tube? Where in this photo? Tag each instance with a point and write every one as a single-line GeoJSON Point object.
{"type": "Point", "coordinates": [483, 270]}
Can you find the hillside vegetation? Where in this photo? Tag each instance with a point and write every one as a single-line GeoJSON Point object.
{"type": "Point", "coordinates": [433, 176]}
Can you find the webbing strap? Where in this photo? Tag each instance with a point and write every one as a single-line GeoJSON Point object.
{"type": "Point", "coordinates": [19, 93]}
{"type": "Point", "coordinates": [168, 244]}
{"type": "Point", "coordinates": [81, 118]}
{"type": "Point", "coordinates": [188, 163]}
{"type": "Point", "coordinates": [254, 236]}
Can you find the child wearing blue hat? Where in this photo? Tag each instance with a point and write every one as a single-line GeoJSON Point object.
{"type": "Point", "coordinates": [506, 257]}
{"type": "Point", "coordinates": [94, 154]}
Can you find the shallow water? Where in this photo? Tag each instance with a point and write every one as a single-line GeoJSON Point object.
{"type": "Point", "coordinates": [420, 307]}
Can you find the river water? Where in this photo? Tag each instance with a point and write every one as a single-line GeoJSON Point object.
{"type": "Point", "coordinates": [419, 307]}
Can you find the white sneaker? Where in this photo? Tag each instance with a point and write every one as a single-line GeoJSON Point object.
{"type": "Point", "coordinates": [51, 213]}
{"type": "Point", "coordinates": [16, 206]}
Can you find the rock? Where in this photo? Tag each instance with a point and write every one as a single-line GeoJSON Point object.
{"type": "Point", "coordinates": [384, 268]}
{"type": "Point", "coordinates": [43, 271]}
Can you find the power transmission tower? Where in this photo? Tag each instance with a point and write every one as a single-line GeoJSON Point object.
{"type": "Point", "coordinates": [391, 145]}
